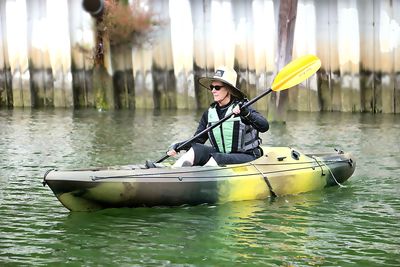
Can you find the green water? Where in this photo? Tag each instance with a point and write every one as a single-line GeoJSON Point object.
{"type": "Point", "coordinates": [353, 226]}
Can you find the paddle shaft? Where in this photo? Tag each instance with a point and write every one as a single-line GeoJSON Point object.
{"type": "Point", "coordinates": [246, 104]}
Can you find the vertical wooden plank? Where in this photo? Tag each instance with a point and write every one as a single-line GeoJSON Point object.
{"type": "Point", "coordinates": [305, 96]}
{"type": "Point", "coordinates": [91, 85]}
{"type": "Point", "coordinates": [143, 79]}
{"type": "Point", "coordinates": [387, 36]}
{"type": "Point", "coordinates": [182, 29]}
{"type": "Point", "coordinates": [377, 84]}
{"type": "Point", "coordinates": [334, 78]}
{"type": "Point", "coordinates": [16, 21]}
{"type": "Point", "coordinates": [396, 70]}
{"type": "Point", "coordinates": [41, 78]}
{"type": "Point", "coordinates": [323, 10]}
{"type": "Point", "coordinates": [123, 81]}
{"type": "Point", "coordinates": [277, 110]}
{"type": "Point", "coordinates": [6, 98]}
{"type": "Point", "coordinates": [185, 91]}
{"type": "Point", "coordinates": [312, 82]}
{"type": "Point", "coordinates": [222, 14]}
{"type": "Point", "coordinates": [60, 52]}
{"type": "Point", "coordinates": [264, 47]}
{"type": "Point", "coordinates": [162, 65]}
{"type": "Point", "coordinates": [203, 60]}
{"type": "Point", "coordinates": [367, 44]}
{"type": "Point", "coordinates": [349, 55]}
{"type": "Point", "coordinates": [3, 58]}
{"type": "Point", "coordinates": [244, 55]}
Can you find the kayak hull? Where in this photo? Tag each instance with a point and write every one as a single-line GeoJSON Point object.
{"type": "Point", "coordinates": [281, 171]}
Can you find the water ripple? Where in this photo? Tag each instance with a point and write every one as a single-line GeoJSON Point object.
{"type": "Point", "coordinates": [356, 225]}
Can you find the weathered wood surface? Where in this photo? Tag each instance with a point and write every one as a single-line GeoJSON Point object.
{"type": "Point", "coordinates": [49, 62]}
{"type": "Point", "coordinates": [277, 108]}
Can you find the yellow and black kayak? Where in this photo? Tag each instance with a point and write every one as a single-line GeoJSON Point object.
{"type": "Point", "coordinates": [280, 171]}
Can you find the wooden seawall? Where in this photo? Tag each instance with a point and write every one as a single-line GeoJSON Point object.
{"type": "Point", "coordinates": [46, 52]}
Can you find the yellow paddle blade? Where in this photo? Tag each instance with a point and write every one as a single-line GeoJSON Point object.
{"type": "Point", "coordinates": [296, 72]}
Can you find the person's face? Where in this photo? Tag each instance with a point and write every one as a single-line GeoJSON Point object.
{"type": "Point", "coordinates": [220, 94]}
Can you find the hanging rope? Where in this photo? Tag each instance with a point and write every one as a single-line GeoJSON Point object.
{"type": "Point", "coordinates": [329, 169]}
{"type": "Point", "coordinates": [266, 180]}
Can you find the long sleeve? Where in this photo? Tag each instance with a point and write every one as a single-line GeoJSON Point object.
{"type": "Point", "coordinates": [256, 120]}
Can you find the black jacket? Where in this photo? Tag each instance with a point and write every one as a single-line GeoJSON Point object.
{"type": "Point", "coordinates": [254, 119]}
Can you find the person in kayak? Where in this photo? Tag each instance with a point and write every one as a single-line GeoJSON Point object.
{"type": "Point", "coordinates": [234, 141]}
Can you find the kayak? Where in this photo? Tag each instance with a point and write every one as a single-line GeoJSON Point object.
{"type": "Point", "coordinates": [280, 171]}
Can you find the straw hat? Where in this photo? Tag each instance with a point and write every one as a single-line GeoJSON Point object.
{"type": "Point", "coordinates": [225, 75]}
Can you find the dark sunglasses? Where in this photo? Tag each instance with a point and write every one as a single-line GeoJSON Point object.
{"type": "Point", "coordinates": [216, 87]}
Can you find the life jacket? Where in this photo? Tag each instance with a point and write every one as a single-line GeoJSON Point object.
{"type": "Point", "coordinates": [232, 135]}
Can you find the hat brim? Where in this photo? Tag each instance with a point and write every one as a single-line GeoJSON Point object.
{"type": "Point", "coordinates": [206, 82]}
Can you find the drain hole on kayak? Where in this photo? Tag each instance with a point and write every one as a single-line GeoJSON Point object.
{"type": "Point", "coordinates": [295, 155]}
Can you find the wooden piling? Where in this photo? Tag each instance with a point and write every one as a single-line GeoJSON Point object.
{"type": "Point", "coordinates": [164, 81]}
{"type": "Point", "coordinates": [264, 48]}
{"type": "Point", "coordinates": [277, 109]}
{"type": "Point", "coordinates": [41, 77]}
{"type": "Point", "coordinates": [123, 81]}
{"type": "Point", "coordinates": [143, 78]}
{"type": "Point", "coordinates": [244, 56]}
{"type": "Point", "coordinates": [6, 98]}
{"type": "Point", "coordinates": [305, 97]}
{"type": "Point", "coordinates": [87, 79]}
{"type": "Point", "coordinates": [387, 54]}
{"type": "Point", "coordinates": [396, 63]}
{"type": "Point", "coordinates": [324, 46]}
{"type": "Point", "coordinates": [203, 58]}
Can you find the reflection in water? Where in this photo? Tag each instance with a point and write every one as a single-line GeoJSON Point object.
{"type": "Point", "coordinates": [355, 225]}
{"type": "Point", "coordinates": [232, 226]}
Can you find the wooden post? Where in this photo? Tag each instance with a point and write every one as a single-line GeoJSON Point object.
{"type": "Point", "coordinates": [164, 81]}
{"type": "Point", "coordinates": [100, 92]}
{"type": "Point", "coordinates": [287, 19]}
{"type": "Point", "coordinates": [244, 59]}
{"type": "Point", "coordinates": [41, 76]}
{"type": "Point", "coordinates": [396, 14]}
{"type": "Point", "coordinates": [323, 51]}
{"type": "Point", "coordinates": [123, 81]}
{"type": "Point", "coordinates": [6, 98]}
{"type": "Point", "coordinates": [387, 56]}
{"type": "Point", "coordinates": [143, 78]}
{"type": "Point", "coordinates": [202, 56]}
